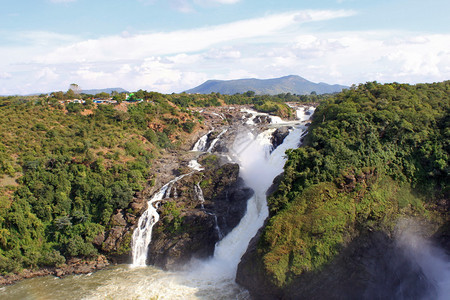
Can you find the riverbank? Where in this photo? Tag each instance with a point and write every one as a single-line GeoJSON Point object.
{"type": "Point", "coordinates": [73, 266]}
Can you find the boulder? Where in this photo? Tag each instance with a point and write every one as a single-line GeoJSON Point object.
{"type": "Point", "coordinates": [262, 119]}
{"type": "Point", "coordinates": [279, 135]}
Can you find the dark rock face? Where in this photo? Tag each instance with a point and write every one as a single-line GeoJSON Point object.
{"type": "Point", "coordinates": [171, 248]}
{"type": "Point", "coordinates": [275, 184]}
{"type": "Point", "coordinates": [250, 273]}
{"type": "Point", "coordinates": [372, 266]}
{"type": "Point", "coordinates": [442, 236]}
{"type": "Point", "coordinates": [220, 146]}
{"type": "Point", "coordinates": [116, 241]}
{"type": "Point", "coordinates": [279, 135]}
{"type": "Point", "coordinates": [230, 205]}
{"type": "Point", "coordinates": [262, 119]}
{"type": "Point", "coordinates": [200, 210]}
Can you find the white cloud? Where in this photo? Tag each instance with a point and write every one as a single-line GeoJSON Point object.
{"type": "Point", "coordinates": [270, 46]}
{"type": "Point", "coordinates": [5, 75]}
{"type": "Point", "coordinates": [223, 53]}
{"type": "Point", "coordinates": [46, 75]}
{"type": "Point", "coordinates": [182, 41]}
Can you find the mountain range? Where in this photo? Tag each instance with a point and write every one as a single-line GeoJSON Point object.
{"type": "Point", "coordinates": [108, 90]}
{"type": "Point", "coordinates": [288, 84]}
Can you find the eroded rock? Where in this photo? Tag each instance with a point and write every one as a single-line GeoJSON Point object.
{"type": "Point", "coordinates": [279, 135]}
{"type": "Point", "coordinates": [202, 208]}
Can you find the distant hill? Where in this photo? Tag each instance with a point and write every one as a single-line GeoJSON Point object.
{"type": "Point", "coordinates": [108, 90]}
{"type": "Point", "coordinates": [289, 84]}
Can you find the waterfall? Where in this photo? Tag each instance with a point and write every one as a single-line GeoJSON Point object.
{"type": "Point", "coordinates": [194, 165]}
{"type": "Point", "coordinates": [200, 145]}
{"type": "Point", "coordinates": [219, 232]}
{"type": "Point", "coordinates": [258, 168]}
{"type": "Point", "coordinates": [214, 142]}
{"type": "Point", "coordinates": [199, 193]}
{"type": "Point", "coordinates": [142, 235]}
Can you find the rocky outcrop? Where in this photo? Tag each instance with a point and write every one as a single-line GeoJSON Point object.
{"type": "Point", "coordinates": [262, 119]}
{"type": "Point", "coordinates": [72, 266]}
{"type": "Point", "coordinates": [200, 210]}
{"type": "Point", "coordinates": [251, 273]}
{"type": "Point", "coordinates": [279, 135]}
{"type": "Point", "coordinates": [116, 241]}
{"type": "Point", "coordinates": [372, 266]}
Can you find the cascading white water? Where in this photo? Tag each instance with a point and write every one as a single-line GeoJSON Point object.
{"type": "Point", "coordinates": [258, 168]}
{"type": "Point", "coordinates": [433, 261]}
{"type": "Point", "coordinates": [214, 142]}
{"type": "Point", "coordinates": [142, 235]}
{"type": "Point", "coordinates": [213, 278]}
{"type": "Point", "coordinates": [199, 192]}
{"type": "Point", "coordinates": [200, 145]}
{"type": "Point", "coordinates": [194, 165]}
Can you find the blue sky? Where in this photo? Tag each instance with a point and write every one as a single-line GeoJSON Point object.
{"type": "Point", "coordinates": [173, 45]}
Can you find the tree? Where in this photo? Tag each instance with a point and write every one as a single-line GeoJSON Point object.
{"type": "Point", "coordinates": [139, 94]}
{"type": "Point", "coordinates": [70, 94]}
{"type": "Point", "coordinates": [119, 97]}
{"type": "Point", "coordinates": [102, 95]}
{"type": "Point", "coordinates": [75, 88]}
{"type": "Point", "coordinates": [88, 103]}
{"type": "Point", "coordinates": [58, 95]}
{"type": "Point", "coordinates": [249, 93]}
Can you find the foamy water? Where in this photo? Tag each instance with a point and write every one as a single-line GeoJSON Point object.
{"type": "Point", "coordinates": [207, 279]}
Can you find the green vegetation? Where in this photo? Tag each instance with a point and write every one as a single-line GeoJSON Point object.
{"type": "Point", "coordinates": [171, 217]}
{"type": "Point", "coordinates": [65, 169]}
{"type": "Point", "coordinates": [374, 153]}
{"type": "Point", "coordinates": [274, 105]}
{"type": "Point", "coordinates": [275, 108]}
{"type": "Point", "coordinates": [73, 170]}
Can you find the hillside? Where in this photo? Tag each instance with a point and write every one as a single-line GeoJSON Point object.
{"type": "Point", "coordinates": [375, 155]}
{"type": "Point", "coordinates": [289, 84]}
{"type": "Point", "coordinates": [72, 176]}
{"type": "Point", "coordinates": [65, 171]}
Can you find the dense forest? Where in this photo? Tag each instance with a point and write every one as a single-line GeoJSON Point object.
{"type": "Point", "coordinates": [374, 153]}
{"type": "Point", "coordinates": [65, 168]}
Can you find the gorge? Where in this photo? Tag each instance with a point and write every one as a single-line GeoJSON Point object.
{"type": "Point", "coordinates": [343, 221]}
{"type": "Point", "coordinates": [212, 272]}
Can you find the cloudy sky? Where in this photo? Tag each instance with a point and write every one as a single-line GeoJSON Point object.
{"type": "Point", "coordinates": [173, 45]}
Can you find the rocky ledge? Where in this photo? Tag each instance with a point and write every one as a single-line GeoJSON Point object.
{"type": "Point", "coordinates": [73, 266]}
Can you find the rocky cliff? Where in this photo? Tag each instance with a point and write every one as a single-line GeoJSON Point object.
{"type": "Point", "coordinates": [373, 266]}
{"type": "Point", "coordinates": [199, 211]}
